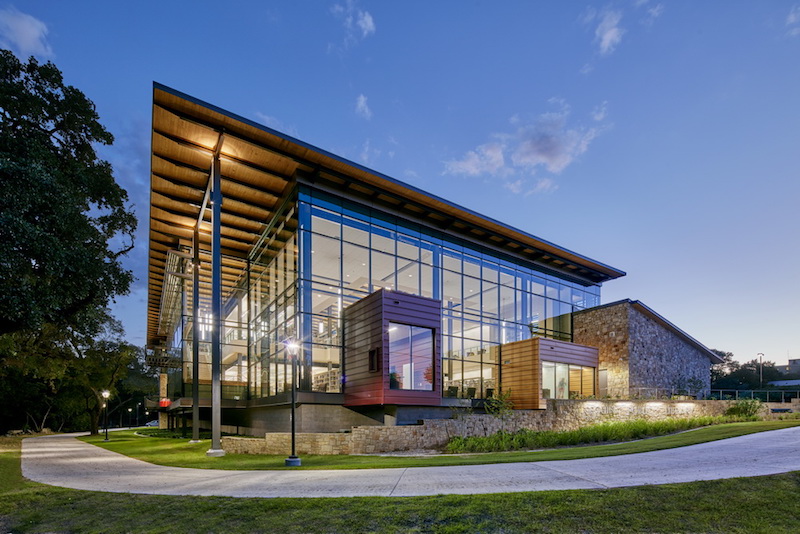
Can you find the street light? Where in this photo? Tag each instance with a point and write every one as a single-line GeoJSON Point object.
{"type": "Point", "coordinates": [293, 348]}
{"type": "Point", "coordinates": [760, 370]}
{"type": "Point", "coordinates": [106, 394]}
{"type": "Point", "coordinates": [130, 416]}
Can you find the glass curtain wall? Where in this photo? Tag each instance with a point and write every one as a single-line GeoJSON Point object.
{"type": "Point", "coordinates": [273, 306]}
{"type": "Point", "coordinates": [349, 251]}
{"type": "Point", "coordinates": [233, 337]}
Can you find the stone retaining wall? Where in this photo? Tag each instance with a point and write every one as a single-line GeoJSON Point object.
{"type": "Point", "coordinates": [435, 433]}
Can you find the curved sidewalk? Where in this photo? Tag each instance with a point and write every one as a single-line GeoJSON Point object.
{"type": "Point", "coordinates": [62, 460]}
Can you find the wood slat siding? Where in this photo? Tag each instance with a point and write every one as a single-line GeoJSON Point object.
{"type": "Point", "coordinates": [522, 367]}
{"type": "Point", "coordinates": [366, 326]}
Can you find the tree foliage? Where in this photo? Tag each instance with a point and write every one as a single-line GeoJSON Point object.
{"type": "Point", "coordinates": [55, 378]}
{"type": "Point", "coordinates": [60, 207]}
{"type": "Point", "coordinates": [730, 374]}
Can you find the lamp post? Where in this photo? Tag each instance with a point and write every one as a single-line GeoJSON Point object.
{"type": "Point", "coordinates": [293, 348]}
{"type": "Point", "coordinates": [760, 370]}
{"type": "Point", "coordinates": [130, 416]}
{"type": "Point", "coordinates": [106, 394]}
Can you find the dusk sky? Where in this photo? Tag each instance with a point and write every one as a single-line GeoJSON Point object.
{"type": "Point", "coordinates": [659, 137]}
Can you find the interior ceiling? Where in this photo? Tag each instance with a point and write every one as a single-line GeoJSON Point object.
{"type": "Point", "coordinates": [259, 166]}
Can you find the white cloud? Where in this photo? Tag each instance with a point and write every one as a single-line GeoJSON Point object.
{"type": "Point", "coordinates": [794, 16]}
{"type": "Point", "coordinates": [653, 13]}
{"type": "Point", "coordinates": [515, 186]}
{"type": "Point", "coordinates": [548, 142]}
{"type": "Point", "coordinates": [368, 154]}
{"type": "Point", "coordinates": [793, 21]}
{"type": "Point", "coordinates": [599, 112]}
{"type": "Point", "coordinates": [275, 123]}
{"type": "Point", "coordinates": [609, 33]}
{"type": "Point", "coordinates": [542, 185]}
{"type": "Point", "coordinates": [23, 34]}
{"type": "Point", "coordinates": [485, 159]}
{"type": "Point", "coordinates": [358, 24]}
{"type": "Point", "coordinates": [362, 108]}
{"type": "Point", "coordinates": [365, 22]}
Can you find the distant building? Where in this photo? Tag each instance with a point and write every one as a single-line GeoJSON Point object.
{"type": "Point", "coordinates": [784, 383]}
{"type": "Point", "coordinates": [793, 367]}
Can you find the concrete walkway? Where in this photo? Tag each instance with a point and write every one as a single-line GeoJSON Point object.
{"type": "Point", "coordinates": [65, 461]}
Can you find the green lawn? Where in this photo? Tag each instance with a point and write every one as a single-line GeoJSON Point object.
{"type": "Point", "coordinates": [180, 453]}
{"type": "Point", "coordinates": [744, 505]}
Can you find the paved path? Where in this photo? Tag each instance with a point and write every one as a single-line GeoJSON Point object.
{"type": "Point", "coordinates": [65, 461]}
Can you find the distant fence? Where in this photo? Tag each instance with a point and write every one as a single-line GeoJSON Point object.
{"type": "Point", "coordinates": [764, 395]}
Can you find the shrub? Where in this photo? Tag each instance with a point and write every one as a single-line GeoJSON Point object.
{"type": "Point", "coordinates": [745, 408]}
{"type": "Point", "coordinates": [601, 433]}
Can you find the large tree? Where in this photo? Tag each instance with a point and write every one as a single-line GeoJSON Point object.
{"type": "Point", "coordinates": [60, 207]}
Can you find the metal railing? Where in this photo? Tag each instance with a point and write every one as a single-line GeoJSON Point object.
{"type": "Point", "coordinates": [764, 395]}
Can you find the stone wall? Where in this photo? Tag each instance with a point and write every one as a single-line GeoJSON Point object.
{"type": "Point", "coordinates": [607, 329]}
{"type": "Point", "coordinates": [643, 354]}
{"type": "Point", "coordinates": [435, 433]}
{"type": "Point", "coordinates": [661, 359]}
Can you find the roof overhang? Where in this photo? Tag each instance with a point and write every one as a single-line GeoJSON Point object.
{"type": "Point", "coordinates": [259, 167]}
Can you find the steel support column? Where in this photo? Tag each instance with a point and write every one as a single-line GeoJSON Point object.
{"type": "Point", "coordinates": [196, 334]}
{"type": "Point", "coordinates": [216, 309]}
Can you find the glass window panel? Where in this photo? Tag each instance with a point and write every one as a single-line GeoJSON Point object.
{"type": "Point", "coordinates": [562, 381]}
{"type": "Point", "coordinates": [575, 381]}
{"type": "Point", "coordinates": [507, 304]}
{"type": "Point", "coordinates": [383, 240]}
{"type": "Point", "coordinates": [489, 373]}
{"type": "Point", "coordinates": [452, 373]}
{"type": "Point", "coordinates": [451, 260]}
{"type": "Point", "coordinates": [587, 381]}
{"type": "Point", "coordinates": [472, 295]}
{"type": "Point", "coordinates": [399, 356]}
{"type": "Point", "coordinates": [452, 347]}
{"type": "Point", "coordinates": [325, 259]}
{"type": "Point", "coordinates": [408, 247]}
{"type": "Point", "coordinates": [452, 325]}
{"type": "Point", "coordinates": [408, 276]}
{"type": "Point", "coordinates": [507, 277]}
{"type": "Point", "coordinates": [428, 252]}
{"type": "Point", "coordinates": [491, 332]}
{"type": "Point", "coordinates": [551, 290]}
{"type": "Point", "coordinates": [472, 379]}
{"type": "Point", "coordinates": [451, 289]}
{"type": "Point", "coordinates": [354, 231]}
{"type": "Point", "coordinates": [422, 358]}
{"type": "Point", "coordinates": [355, 264]}
{"type": "Point", "coordinates": [490, 297]}
{"type": "Point", "coordinates": [410, 357]}
{"type": "Point", "coordinates": [472, 266]}
{"type": "Point", "coordinates": [537, 286]}
{"type": "Point", "coordinates": [472, 328]}
{"type": "Point", "coordinates": [426, 288]}
{"type": "Point", "coordinates": [325, 368]}
{"type": "Point", "coordinates": [489, 272]}
{"type": "Point", "coordinates": [383, 271]}
{"type": "Point", "coordinates": [326, 223]}
{"type": "Point", "coordinates": [548, 380]}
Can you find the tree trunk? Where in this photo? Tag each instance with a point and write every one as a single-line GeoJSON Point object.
{"type": "Point", "coordinates": [94, 422]}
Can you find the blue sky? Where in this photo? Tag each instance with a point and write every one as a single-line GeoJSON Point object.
{"type": "Point", "coordinates": [657, 136]}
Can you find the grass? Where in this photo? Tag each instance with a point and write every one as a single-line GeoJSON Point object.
{"type": "Point", "coordinates": [743, 505]}
{"type": "Point", "coordinates": [610, 431]}
{"type": "Point", "coordinates": [180, 453]}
